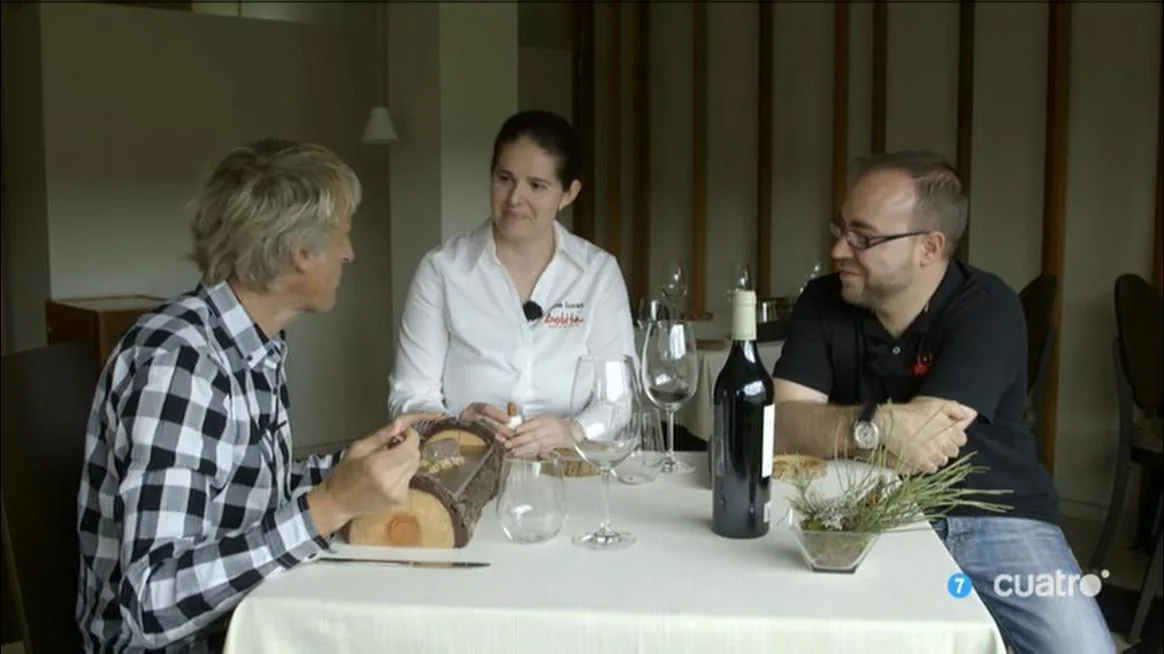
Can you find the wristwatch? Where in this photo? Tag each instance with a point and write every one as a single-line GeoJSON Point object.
{"type": "Point", "coordinates": [866, 434]}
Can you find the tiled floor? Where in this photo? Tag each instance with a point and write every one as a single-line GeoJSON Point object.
{"type": "Point", "coordinates": [1126, 567]}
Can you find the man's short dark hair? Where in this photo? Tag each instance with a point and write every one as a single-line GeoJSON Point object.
{"type": "Point", "coordinates": [942, 204]}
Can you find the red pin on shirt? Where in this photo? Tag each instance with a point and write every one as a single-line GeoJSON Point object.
{"type": "Point", "coordinates": [922, 365]}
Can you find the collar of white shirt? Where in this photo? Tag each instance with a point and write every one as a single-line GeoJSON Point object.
{"type": "Point", "coordinates": [482, 245]}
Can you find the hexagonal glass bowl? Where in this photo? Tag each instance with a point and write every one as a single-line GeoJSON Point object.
{"type": "Point", "coordinates": [834, 551]}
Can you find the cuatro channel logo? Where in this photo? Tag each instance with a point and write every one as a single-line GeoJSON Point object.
{"type": "Point", "coordinates": [1045, 584]}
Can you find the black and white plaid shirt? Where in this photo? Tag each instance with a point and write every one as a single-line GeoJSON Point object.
{"type": "Point", "coordinates": [189, 497]}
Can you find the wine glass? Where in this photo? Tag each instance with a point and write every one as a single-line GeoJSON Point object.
{"type": "Point", "coordinates": [650, 311]}
{"type": "Point", "coordinates": [642, 466]}
{"type": "Point", "coordinates": [603, 403]}
{"type": "Point", "coordinates": [674, 285]}
{"type": "Point", "coordinates": [740, 280]}
{"type": "Point", "coordinates": [670, 370]}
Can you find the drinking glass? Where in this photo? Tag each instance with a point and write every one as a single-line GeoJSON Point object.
{"type": "Point", "coordinates": [642, 466]}
{"type": "Point", "coordinates": [531, 500]}
{"type": "Point", "coordinates": [670, 375]}
{"type": "Point", "coordinates": [603, 403]}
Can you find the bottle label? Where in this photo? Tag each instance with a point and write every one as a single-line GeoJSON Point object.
{"type": "Point", "coordinates": [769, 441]}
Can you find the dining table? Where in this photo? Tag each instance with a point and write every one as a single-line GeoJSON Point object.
{"type": "Point", "coordinates": [679, 589]}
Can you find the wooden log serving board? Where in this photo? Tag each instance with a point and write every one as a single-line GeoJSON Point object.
{"type": "Point", "coordinates": [444, 501]}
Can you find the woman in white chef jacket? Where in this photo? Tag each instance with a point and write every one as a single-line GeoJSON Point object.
{"type": "Point", "coordinates": [502, 313]}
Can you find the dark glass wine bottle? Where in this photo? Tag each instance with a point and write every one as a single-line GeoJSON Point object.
{"type": "Point", "coordinates": [742, 441]}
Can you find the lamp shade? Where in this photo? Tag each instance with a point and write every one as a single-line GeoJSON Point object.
{"type": "Point", "coordinates": [379, 128]}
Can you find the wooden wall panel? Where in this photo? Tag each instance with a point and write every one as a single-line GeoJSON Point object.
{"type": "Point", "coordinates": [583, 87]}
{"type": "Point", "coordinates": [880, 101]}
{"type": "Point", "coordinates": [840, 112]}
{"type": "Point", "coordinates": [1055, 196]}
{"type": "Point", "coordinates": [641, 169]}
{"type": "Point", "coordinates": [966, 20]}
{"type": "Point", "coordinates": [764, 145]}
{"type": "Point", "coordinates": [613, 171]}
{"type": "Point", "coordinates": [1158, 254]}
{"type": "Point", "coordinates": [697, 275]}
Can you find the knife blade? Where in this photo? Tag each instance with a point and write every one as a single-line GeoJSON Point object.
{"type": "Point", "coordinates": [444, 565]}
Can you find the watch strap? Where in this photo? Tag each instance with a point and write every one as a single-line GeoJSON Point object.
{"type": "Point", "coordinates": [867, 412]}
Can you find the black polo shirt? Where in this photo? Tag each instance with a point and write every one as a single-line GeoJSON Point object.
{"type": "Point", "coordinates": [969, 346]}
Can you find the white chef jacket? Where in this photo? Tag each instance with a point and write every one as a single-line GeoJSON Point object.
{"type": "Point", "coordinates": [464, 337]}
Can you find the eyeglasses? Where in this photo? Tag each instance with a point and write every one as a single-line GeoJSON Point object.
{"type": "Point", "coordinates": [859, 241]}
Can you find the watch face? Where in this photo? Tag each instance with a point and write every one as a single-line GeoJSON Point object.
{"type": "Point", "coordinates": [866, 434]}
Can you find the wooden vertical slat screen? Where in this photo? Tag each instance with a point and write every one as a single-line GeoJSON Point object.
{"type": "Point", "coordinates": [1158, 256]}
{"type": "Point", "coordinates": [966, 19]}
{"type": "Point", "coordinates": [696, 278]}
{"type": "Point", "coordinates": [613, 217]}
{"type": "Point", "coordinates": [641, 263]}
{"type": "Point", "coordinates": [840, 111]}
{"type": "Point", "coordinates": [1055, 196]}
{"type": "Point", "coordinates": [583, 37]}
{"type": "Point", "coordinates": [763, 278]}
{"type": "Point", "coordinates": [880, 61]}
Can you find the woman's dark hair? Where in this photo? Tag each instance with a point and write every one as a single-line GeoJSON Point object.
{"type": "Point", "coordinates": [551, 133]}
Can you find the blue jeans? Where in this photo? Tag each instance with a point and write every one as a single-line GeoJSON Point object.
{"type": "Point", "coordinates": [1029, 580]}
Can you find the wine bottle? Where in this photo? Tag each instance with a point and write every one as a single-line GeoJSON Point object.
{"type": "Point", "coordinates": [742, 440]}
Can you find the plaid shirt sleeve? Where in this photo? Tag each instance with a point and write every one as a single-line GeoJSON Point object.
{"type": "Point", "coordinates": [194, 540]}
{"type": "Point", "coordinates": [310, 472]}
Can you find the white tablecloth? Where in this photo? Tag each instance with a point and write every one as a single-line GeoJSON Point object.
{"type": "Point", "coordinates": [697, 414]}
{"type": "Point", "coordinates": [681, 589]}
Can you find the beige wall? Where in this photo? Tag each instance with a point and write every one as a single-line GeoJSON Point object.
{"type": "Point", "coordinates": [136, 105]}
{"type": "Point", "coordinates": [1115, 72]}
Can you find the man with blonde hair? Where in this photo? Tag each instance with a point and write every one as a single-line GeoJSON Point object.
{"type": "Point", "coordinates": [189, 497]}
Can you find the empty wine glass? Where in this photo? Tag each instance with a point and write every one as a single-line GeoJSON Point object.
{"type": "Point", "coordinates": [603, 402]}
{"type": "Point", "coordinates": [650, 311]}
{"type": "Point", "coordinates": [741, 279]}
{"type": "Point", "coordinates": [670, 375]}
{"type": "Point", "coordinates": [674, 284]}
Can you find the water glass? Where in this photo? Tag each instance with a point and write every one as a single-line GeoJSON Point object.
{"type": "Point", "coordinates": [531, 501]}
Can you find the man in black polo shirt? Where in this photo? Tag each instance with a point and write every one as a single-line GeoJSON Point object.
{"type": "Point", "coordinates": [902, 322]}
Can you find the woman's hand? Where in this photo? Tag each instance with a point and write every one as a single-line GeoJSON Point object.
{"type": "Point", "coordinates": [490, 415]}
{"type": "Point", "coordinates": [539, 435]}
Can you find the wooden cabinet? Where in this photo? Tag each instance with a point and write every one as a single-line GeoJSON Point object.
{"type": "Point", "coordinates": [97, 320]}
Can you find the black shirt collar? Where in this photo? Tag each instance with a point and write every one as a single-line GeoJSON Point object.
{"type": "Point", "coordinates": [952, 280]}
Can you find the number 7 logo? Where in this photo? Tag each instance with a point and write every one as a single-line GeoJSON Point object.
{"type": "Point", "coordinates": [959, 585]}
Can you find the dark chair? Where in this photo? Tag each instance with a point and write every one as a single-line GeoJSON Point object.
{"type": "Point", "coordinates": [47, 393]}
{"type": "Point", "coordinates": [1153, 579]}
{"type": "Point", "coordinates": [1038, 298]}
{"type": "Point", "coordinates": [1138, 359]}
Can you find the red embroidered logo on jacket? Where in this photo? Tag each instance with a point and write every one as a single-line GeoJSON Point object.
{"type": "Point", "coordinates": [566, 314]}
{"type": "Point", "coordinates": [564, 320]}
{"type": "Point", "coordinates": [922, 365]}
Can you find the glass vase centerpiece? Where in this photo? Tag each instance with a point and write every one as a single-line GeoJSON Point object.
{"type": "Point", "coordinates": [836, 529]}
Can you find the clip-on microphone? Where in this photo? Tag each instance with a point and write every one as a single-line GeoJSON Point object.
{"type": "Point", "coordinates": [532, 310]}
